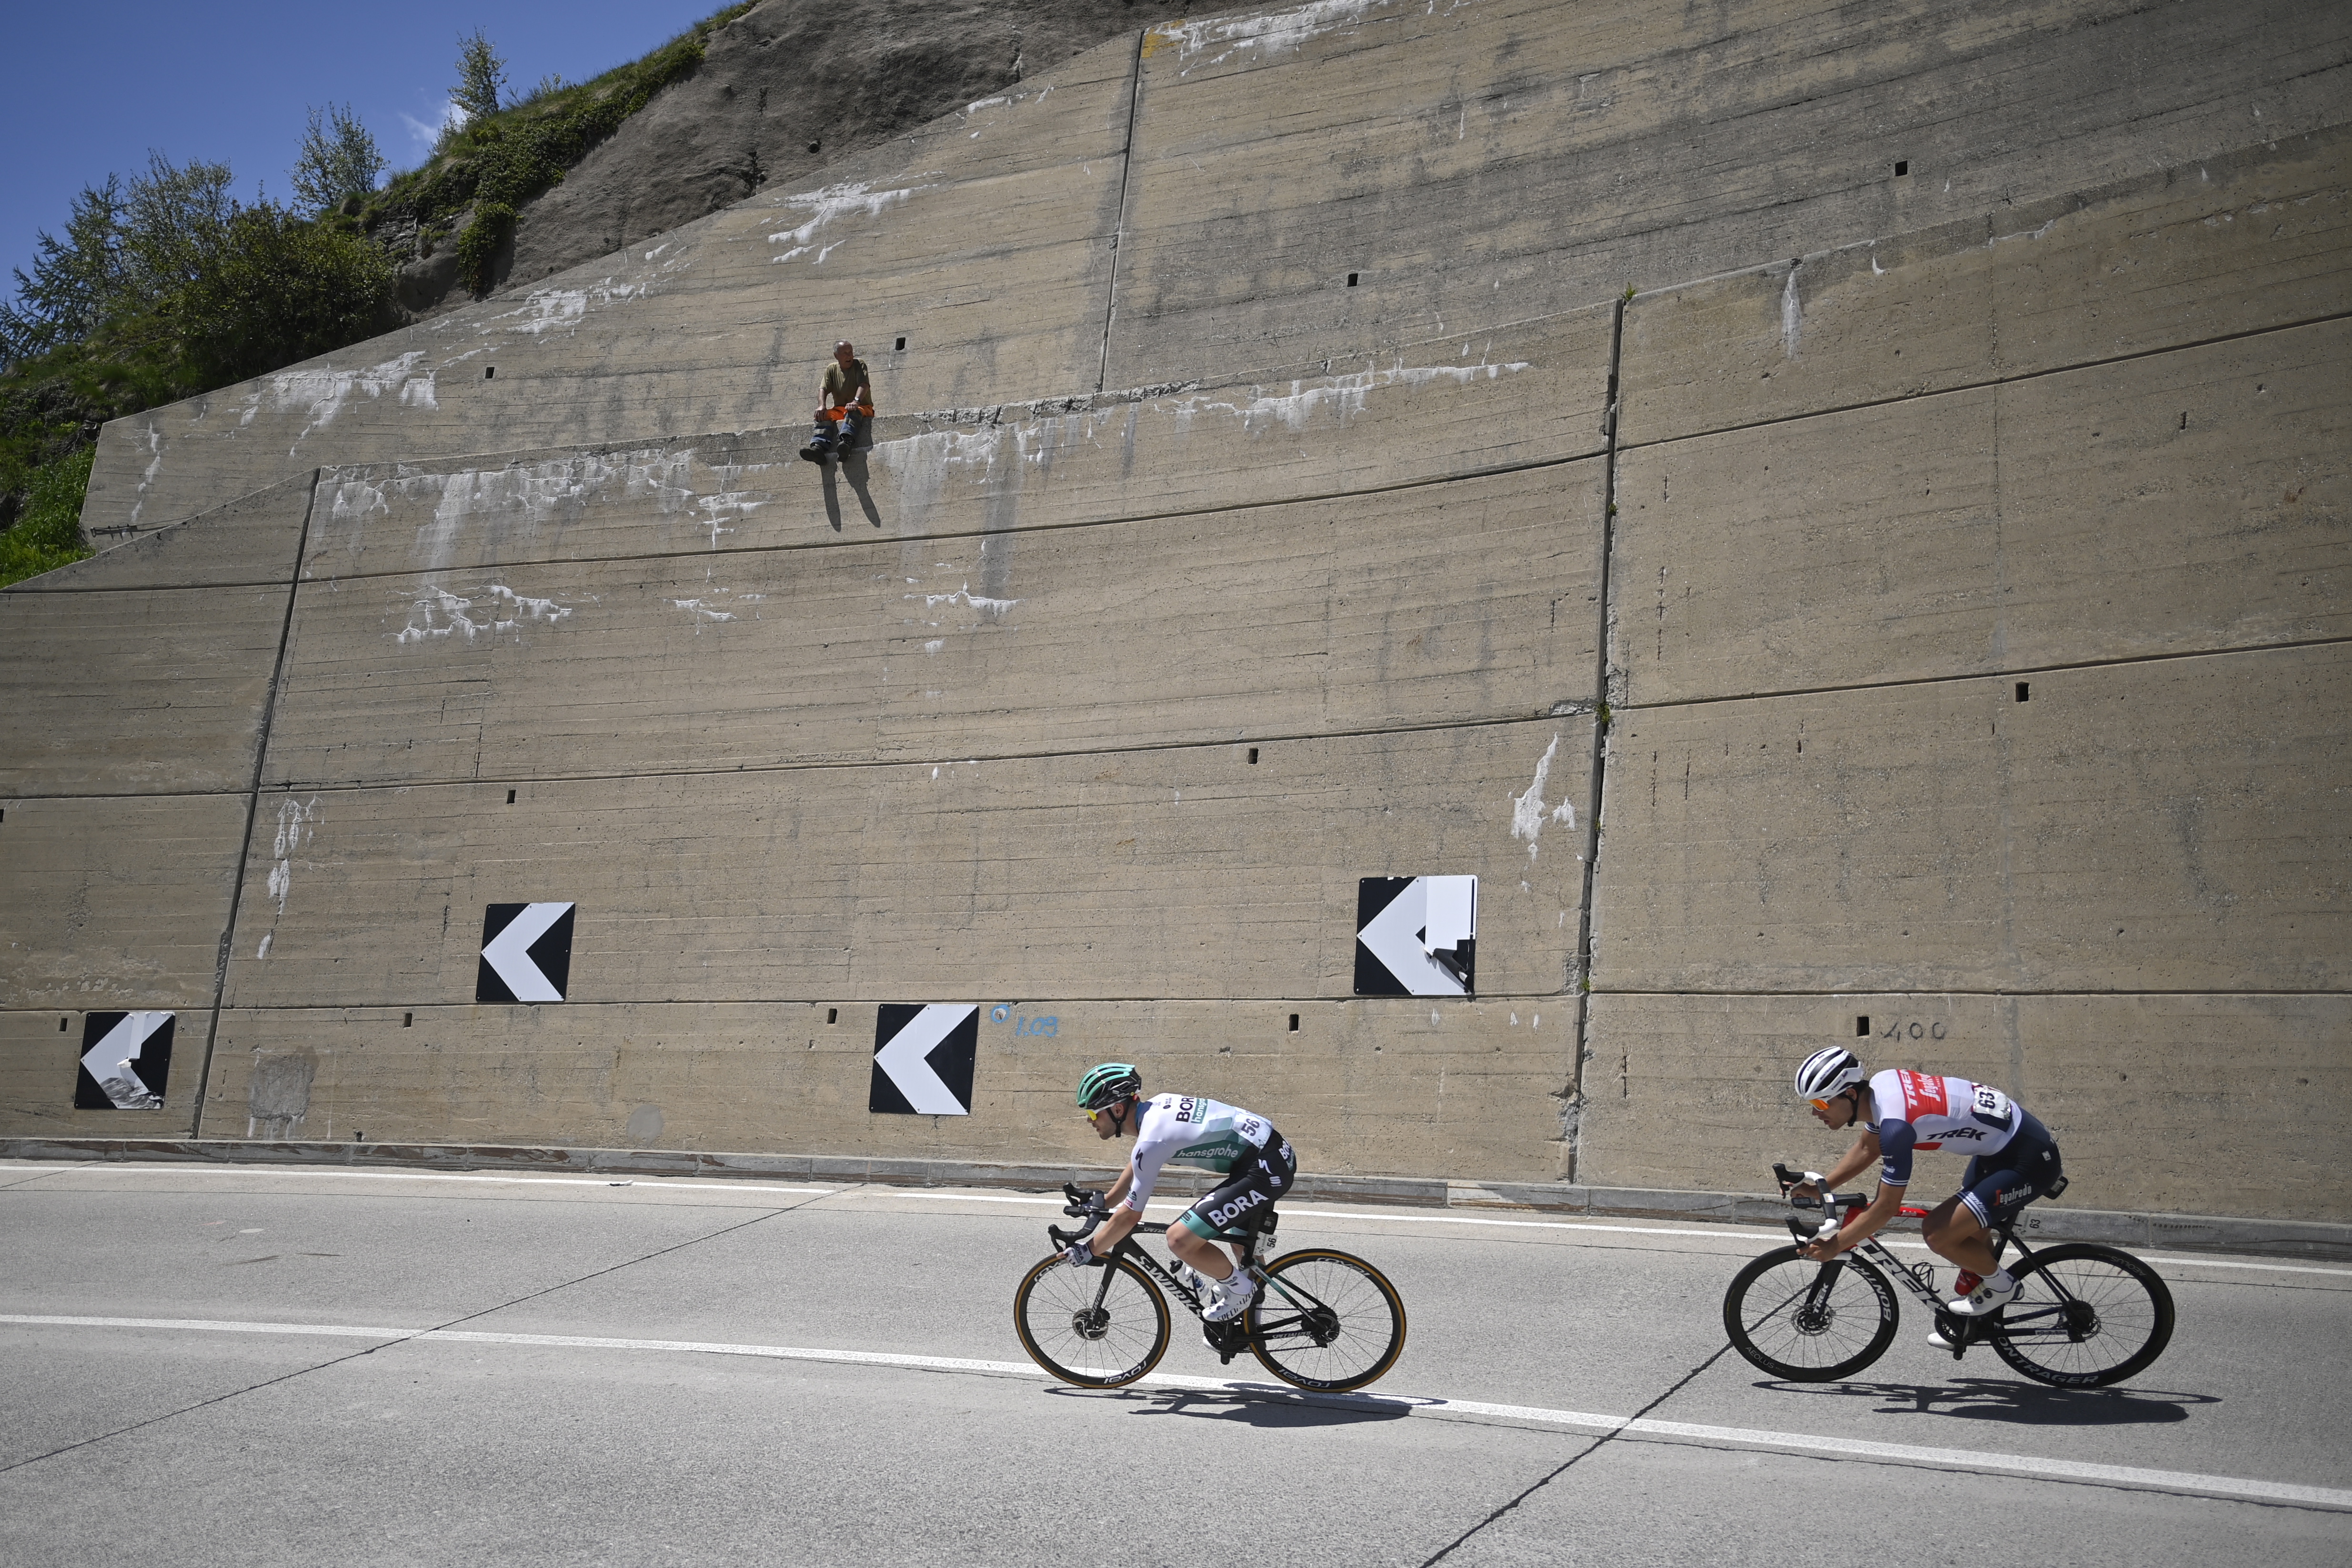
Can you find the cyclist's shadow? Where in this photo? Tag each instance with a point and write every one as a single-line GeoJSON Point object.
{"type": "Point", "coordinates": [2021, 1403]}
{"type": "Point", "coordinates": [1271, 1409]}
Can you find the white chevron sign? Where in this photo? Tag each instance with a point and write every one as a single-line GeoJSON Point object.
{"type": "Point", "coordinates": [1416, 936]}
{"type": "Point", "coordinates": [510, 972]}
{"type": "Point", "coordinates": [906, 1039]}
{"type": "Point", "coordinates": [124, 1068]}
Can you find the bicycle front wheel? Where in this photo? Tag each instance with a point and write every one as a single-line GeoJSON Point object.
{"type": "Point", "coordinates": [1808, 1322]}
{"type": "Point", "coordinates": [1326, 1320]}
{"type": "Point", "coordinates": [1098, 1327]}
{"type": "Point", "coordinates": [2084, 1316]}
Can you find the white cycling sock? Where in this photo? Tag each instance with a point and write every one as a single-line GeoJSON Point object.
{"type": "Point", "coordinates": [2002, 1281]}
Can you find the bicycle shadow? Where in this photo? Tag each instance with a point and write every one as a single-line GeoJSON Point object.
{"type": "Point", "coordinates": [2016, 1404]}
{"type": "Point", "coordinates": [1270, 1410]}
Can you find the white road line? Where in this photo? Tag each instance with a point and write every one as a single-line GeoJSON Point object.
{"type": "Point", "coordinates": [665, 1182]}
{"type": "Point", "coordinates": [672, 1184]}
{"type": "Point", "coordinates": [2033, 1467]}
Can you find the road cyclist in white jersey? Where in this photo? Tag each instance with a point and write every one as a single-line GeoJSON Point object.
{"type": "Point", "coordinates": [2013, 1161]}
{"type": "Point", "coordinates": [1187, 1129]}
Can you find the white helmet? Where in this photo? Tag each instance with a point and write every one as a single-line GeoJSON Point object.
{"type": "Point", "coordinates": [1829, 1070]}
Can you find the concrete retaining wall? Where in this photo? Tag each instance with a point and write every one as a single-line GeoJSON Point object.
{"type": "Point", "coordinates": [1344, 443]}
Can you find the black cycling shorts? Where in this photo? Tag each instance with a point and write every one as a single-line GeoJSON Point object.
{"type": "Point", "coordinates": [1996, 1186]}
{"type": "Point", "coordinates": [1250, 1188]}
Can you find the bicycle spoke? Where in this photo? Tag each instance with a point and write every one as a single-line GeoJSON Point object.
{"type": "Point", "coordinates": [1101, 1326]}
{"type": "Point", "coordinates": [1800, 1320]}
{"type": "Point", "coordinates": [2085, 1315]}
{"type": "Point", "coordinates": [1327, 1321]}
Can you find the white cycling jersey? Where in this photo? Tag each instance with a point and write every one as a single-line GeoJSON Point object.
{"type": "Point", "coordinates": [1189, 1131]}
{"type": "Point", "coordinates": [1916, 1110]}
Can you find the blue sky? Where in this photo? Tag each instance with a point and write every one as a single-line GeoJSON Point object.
{"type": "Point", "coordinates": [95, 86]}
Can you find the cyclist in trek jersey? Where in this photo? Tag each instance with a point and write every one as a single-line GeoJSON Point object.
{"type": "Point", "coordinates": [1256, 1161]}
{"type": "Point", "coordinates": [2012, 1160]}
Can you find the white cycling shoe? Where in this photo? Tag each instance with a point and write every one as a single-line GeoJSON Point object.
{"type": "Point", "coordinates": [1233, 1298]}
{"type": "Point", "coordinates": [1984, 1300]}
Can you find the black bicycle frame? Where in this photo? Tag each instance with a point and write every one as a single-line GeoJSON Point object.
{"type": "Point", "coordinates": [1919, 1278]}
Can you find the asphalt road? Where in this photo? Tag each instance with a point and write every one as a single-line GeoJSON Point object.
{"type": "Point", "coordinates": [608, 1381]}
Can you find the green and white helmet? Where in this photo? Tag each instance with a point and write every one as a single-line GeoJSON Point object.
{"type": "Point", "coordinates": [1106, 1081]}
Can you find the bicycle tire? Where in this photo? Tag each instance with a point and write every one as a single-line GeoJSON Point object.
{"type": "Point", "coordinates": [1796, 1336]}
{"type": "Point", "coordinates": [1326, 1320]}
{"type": "Point", "coordinates": [1086, 1330]}
{"type": "Point", "coordinates": [2115, 1319]}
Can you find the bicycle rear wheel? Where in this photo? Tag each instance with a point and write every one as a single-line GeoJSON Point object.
{"type": "Point", "coordinates": [1808, 1322]}
{"type": "Point", "coordinates": [1326, 1320]}
{"type": "Point", "coordinates": [2084, 1316]}
{"type": "Point", "coordinates": [1097, 1327]}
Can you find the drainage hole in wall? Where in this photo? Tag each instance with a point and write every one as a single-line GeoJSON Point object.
{"type": "Point", "coordinates": [902, 342]}
{"type": "Point", "coordinates": [61, 1026]}
{"type": "Point", "coordinates": [490, 372]}
{"type": "Point", "coordinates": [1862, 1026]}
{"type": "Point", "coordinates": [509, 797]}
{"type": "Point", "coordinates": [2025, 691]}
{"type": "Point", "coordinates": [1902, 167]}
{"type": "Point", "coordinates": [407, 1020]}
{"type": "Point", "coordinates": [1293, 1023]}
{"type": "Point", "coordinates": [1352, 280]}
{"type": "Point", "coordinates": [832, 1015]}
{"type": "Point", "coordinates": [1253, 755]}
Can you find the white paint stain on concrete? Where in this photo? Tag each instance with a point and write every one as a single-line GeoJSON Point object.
{"type": "Point", "coordinates": [321, 395]}
{"type": "Point", "coordinates": [1527, 812]}
{"type": "Point", "coordinates": [154, 467]}
{"type": "Point", "coordinates": [734, 504]}
{"type": "Point", "coordinates": [436, 615]}
{"type": "Point", "coordinates": [1268, 36]}
{"type": "Point", "coordinates": [704, 612]}
{"type": "Point", "coordinates": [1341, 397]}
{"type": "Point", "coordinates": [829, 204]}
{"type": "Point", "coordinates": [935, 644]}
{"type": "Point", "coordinates": [1793, 317]}
{"type": "Point", "coordinates": [990, 608]}
{"type": "Point", "coordinates": [295, 822]}
{"type": "Point", "coordinates": [561, 309]}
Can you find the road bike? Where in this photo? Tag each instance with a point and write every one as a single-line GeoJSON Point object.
{"type": "Point", "coordinates": [1322, 1320]}
{"type": "Point", "coordinates": [2085, 1315]}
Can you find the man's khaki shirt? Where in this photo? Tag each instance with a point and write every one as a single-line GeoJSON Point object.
{"type": "Point", "coordinates": [847, 386]}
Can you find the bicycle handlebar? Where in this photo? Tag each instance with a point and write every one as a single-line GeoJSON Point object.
{"type": "Point", "coordinates": [1084, 1204]}
{"type": "Point", "coordinates": [1839, 1208]}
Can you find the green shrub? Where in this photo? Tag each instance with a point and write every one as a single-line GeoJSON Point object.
{"type": "Point", "coordinates": [281, 288]}
{"type": "Point", "coordinates": [478, 247]}
{"type": "Point", "coordinates": [48, 535]}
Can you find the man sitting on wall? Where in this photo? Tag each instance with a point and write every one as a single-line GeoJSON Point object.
{"type": "Point", "coordinates": [847, 408]}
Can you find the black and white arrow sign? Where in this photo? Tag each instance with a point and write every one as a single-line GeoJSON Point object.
{"type": "Point", "coordinates": [525, 953]}
{"type": "Point", "coordinates": [125, 1060]}
{"type": "Point", "coordinates": [1416, 936]}
{"type": "Point", "coordinates": [923, 1059]}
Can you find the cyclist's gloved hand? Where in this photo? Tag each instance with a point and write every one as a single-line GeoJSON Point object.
{"type": "Point", "coordinates": [1078, 1254]}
